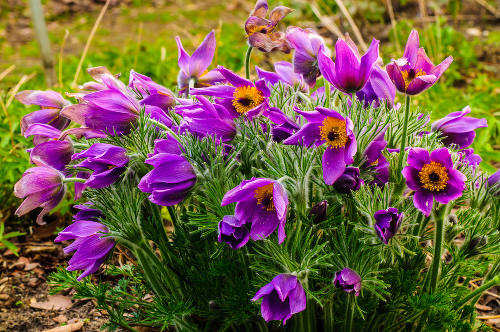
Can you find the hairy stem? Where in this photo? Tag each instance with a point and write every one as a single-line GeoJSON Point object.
{"type": "Point", "coordinates": [71, 180]}
{"type": "Point", "coordinates": [164, 127]}
{"type": "Point", "coordinates": [405, 130]}
{"type": "Point", "coordinates": [438, 246]}
{"type": "Point", "coordinates": [247, 62]}
{"type": "Point", "coordinates": [493, 282]}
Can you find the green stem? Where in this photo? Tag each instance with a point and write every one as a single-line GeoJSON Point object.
{"type": "Point", "coordinates": [247, 62]}
{"type": "Point", "coordinates": [349, 313]}
{"type": "Point", "coordinates": [493, 282]}
{"type": "Point", "coordinates": [192, 82]}
{"type": "Point", "coordinates": [71, 180]}
{"type": "Point", "coordinates": [327, 94]}
{"type": "Point", "coordinates": [438, 247]}
{"type": "Point", "coordinates": [164, 127]}
{"type": "Point", "coordinates": [405, 130]}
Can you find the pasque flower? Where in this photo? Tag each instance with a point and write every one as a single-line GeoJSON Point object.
{"type": "Point", "coordinates": [387, 223]}
{"type": "Point", "coordinates": [233, 232]}
{"type": "Point", "coordinates": [40, 186]}
{"type": "Point", "coordinates": [50, 103]}
{"type": "Point", "coordinates": [376, 160]}
{"type": "Point", "coordinates": [494, 180]}
{"type": "Point", "coordinates": [90, 243]}
{"type": "Point", "coordinates": [194, 67]}
{"type": "Point", "coordinates": [283, 297]}
{"type": "Point", "coordinates": [105, 160]}
{"type": "Point", "coordinates": [261, 203]}
{"type": "Point", "coordinates": [415, 72]}
{"type": "Point", "coordinates": [284, 73]}
{"type": "Point", "coordinates": [467, 156]}
{"type": "Point", "coordinates": [86, 212]}
{"type": "Point", "coordinates": [306, 44]}
{"type": "Point", "coordinates": [432, 176]}
{"type": "Point", "coordinates": [319, 212]}
{"type": "Point", "coordinates": [153, 93]}
{"type": "Point", "coordinates": [348, 280]}
{"type": "Point", "coordinates": [348, 181]}
{"type": "Point", "coordinates": [350, 72]}
{"type": "Point", "coordinates": [379, 88]}
{"type": "Point", "coordinates": [327, 127]}
{"type": "Point", "coordinates": [458, 129]}
{"type": "Point", "coordinates": [172, 176]}
{"type": "Point", "coordinates": [261, 31]}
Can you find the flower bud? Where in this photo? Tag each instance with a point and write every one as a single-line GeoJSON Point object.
{"type": "Point", "coordinates": [348, 280]}
{"type": "Point", "coordinates": [318, 212]}
{"type": "Point", "coordinates": [349, 181]}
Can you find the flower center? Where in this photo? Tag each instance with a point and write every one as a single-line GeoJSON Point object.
{"type": "Point", "coordinates": [433, 176]}
{"type": "Point", "coordinates": [333, 131]}
{"type": "Point", "coordinates": [246, 98]}
{"type": "Point", "coordinates": [410, 74]}
{"type": "Point", "coordinates": [262, 29]}
{"type": "Point", "coordinates": [264, 196]}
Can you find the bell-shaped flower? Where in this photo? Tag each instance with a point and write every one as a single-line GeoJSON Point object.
{"type": "Point", "coordinates": [379, 88]}
{"type": "Point", "coordinates": [347, 280]}
{"type": "Point", "coordinates": [348, 181]}
{"type": "Point", "coordinates": [375, 159]}
{"type": "Point", "coordinates": [153, 93]}
{"type": "Point", "coordinates": [318, 212]}
{"type": "Point", "coordinates": [285, 74]}
{"type": "Point", "coordinates": [387, 223]}
{"type": "Point", "coordinates": [233, 232]}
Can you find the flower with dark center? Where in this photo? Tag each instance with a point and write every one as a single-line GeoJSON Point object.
{"type": "Point", "coordinates": [432, 176]}
{"type": "Point", "coordinates": [283, 297]}
{"type": "Point", "coordinates": [262, 204]}
{"type": "Point", "coordinates": [347, 280]}
{"type": "Point", "coordinates": [327, 127]}
{"type": "Point", "coordinates": [415, 72]}
{"type": "Point", "coordinates": [387, 223]}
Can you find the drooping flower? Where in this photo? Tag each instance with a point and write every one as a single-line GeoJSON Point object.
{"type": "Point", "coordinates": [415, 72]}
{"type": "Point", "coordinates": [432, 176]}
{"type": "Point", "coordinates": [350, 72]}
{"type": "Point", "coordinates": [283, 73]}
{"type": "Point", "coordinates": [50, 103]}
{"type": "Point", "coordinates": [233, 232]}
{"type": "Point", "coordinates": [90, 243]}
{"type": "Point", "coordinates": [153, 93]}
{"type": "Point", "coordinates": [261, 203]}
{"type": "Point", "coordinates": [348, 181]}
{"type": "Point", "coordinates": [319, 212]}
{"type": "Point", "coordinates": [376, 160]}
{"type": "Point", "coordinates": [40, 186]}
{"type": "Point", "coordinates": [283, 297]}
{"type": "Point", "coordinates": [106, 161]}
{"type": "Point", "coordinates": [284, 130]}
{"type": "Point", "coordinates": [194, 67]}
{"type": "Point", "coordinates": [348, 280]}
{"type": "Point", "coordinates": [172, 177]}
{"type": "Point", "coordinates": [329, 128]}
{"type": "Point", "coordinates": [378, 88]}
{"type": "Point", "coordinates": [458, 129]}
{"type": "Point", "coordinates": [86, 212]}
{"type": "Point", "coordinates": [387, 223]}
{"type": "Point", "coordinates": [261, 31]}
{"type": "Point", "coordinates": [306, 44]}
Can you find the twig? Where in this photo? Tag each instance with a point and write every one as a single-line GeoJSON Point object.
{"type": "Point", "coordinates": [139, 41]}
{"type": "Point", "coordinates": [326, 21]}
{"type": "Point", "coordinates": [87, 45]}
{"type": "Point", "coordinates": [488, 317]}
{"type": "Point", "coordinates": [393, 24]}
{"type": "Point", "coordinates": [66, 34]}
{"type": "Point", "coordinates": [24, 79]}
{"type": "Point", "coordinates": [488, 7]}
{"type": "Point", "coordinates": [456, 18]}
{"type": "Point", "coordinates": [354, 27]}
{"type": "Point", "coordinates": [7, 72]}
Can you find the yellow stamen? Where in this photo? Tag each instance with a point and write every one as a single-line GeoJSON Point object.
{"type": "Point", "coordinates": [260, 28]}
{"type": "Point", "coordinates": [410, 74]}
{"type": "Point", "coordinates": [246, 98]}
{"type": "Point", "coordinates": [333, 131]}
{"type": "Point", "coordinates": [264, 196]}
{"type": "Point", "coordinates": [375, 163]}
{"type": "Point", "coordinates": [433, 176]}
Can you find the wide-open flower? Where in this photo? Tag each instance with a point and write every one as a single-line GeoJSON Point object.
{"type": "Point", "coordinates": [306, 44]}
{"type": "Point", "coordinates": [153, 93]}
{"type": "Point", "coordinates": [90, 243]}
{"type": "Point", "coordinates": [348, 181]}
{"type": "Point", "coordinates": [432, 176]}
{"type": "Point", "coordinates": [387, 223]}
{"type": "Point", "coordinates": [207, 119]}
{"type": "Point", "coordinates": [458, 129]}
{"type": "Point", "coordinates": [284, 74]}
{"type": "Point", "coordinates": [376, 160]}
{"type": "Point", "coordinates": [263, 204]}
{"type": "Point", "coordinates": [329, 128]}
{"type": "Point", "coordinates": [415, 72]}
{"type": "Point", "coordinates": [172, 176]}
{"type": "Point", "coordinates": [41, 186]}
{"type": "Point", "coordinates": [378, 88]}
{"type": "Point", "coordinates": [233, 232]}
{"type": "Point", "coordinates": [348, 280]}
{"type": "Point", "coordinates": [350, 72]}
{"type": "Point", "coordinates": [107, 162]}
{"type": "Point", "coordinates": [243, 97]}
{"type": "Point", "coordinates": [50, 103]}
{"type": "Point", "coordinates": [194, 67]}
{"type": "Point", "coordinates": [260, 31]}
{"type": "Point", "coordinates": [283, 297]}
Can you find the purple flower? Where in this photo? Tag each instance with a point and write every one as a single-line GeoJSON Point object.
{"type": "Point", "coordinates": [348, 181]}
{"type": "Point", "coordinates": [90, 243]}
{"type": "Point", "coordinates": [348, 280]}
{"type": "Point", "coordinates": [263, 204]}
{"type": "Point", "coordinates": [494, 179]}
{"type": "Point", "coordinates": [350, 72]}
{"type": "Point", "coordinates": [86, 212]}
{"type": "Point", "coordinates": [282, 131]}
{"type": "Point", "coordinates": [415, 72]}
{"type": "Point", "coordinates": [468, 157]}
{"type": "Point", "coordinates": [50, 103]}
{"type": "Point", "coordinates": [387, 223]}
{"type": "Point", "coordinates": [306, 44]}
{"type": "Point", "coordinates": [284, 73]}
{"type": "Point", "coordinates": [329, 128]}
{"type": "Point", "coordinates": [172, 176]}
{"type": "Point", "coordinates": [432, 176]}
{"type": "Point", "coordinates": [458, 129]}
{"type": "Point", "coordinates": [206, 119]}
{"type": "Point", "coordinates": [283, 297]}
{"type": "Point", "coordinates": [260, 31]}
{"type": "Point", "coordinates": [41, 186]}
{"type": "Point", "coordinates": [319, 212]}
{"type": "Point", "coordinates": [107, 162]}
{"type": "Point", "coordinates": [376, 160]}
{"type": "Point", "coordinates": [195, 66]}
{"type": "Point", "coordinates": [233, 232]}
{"type": "Point", "coordinates": [244, 97]}
{"type": "Point", "coordinates": [378, 88]}
{"type": "Point", "coordinates": [153, 93]}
